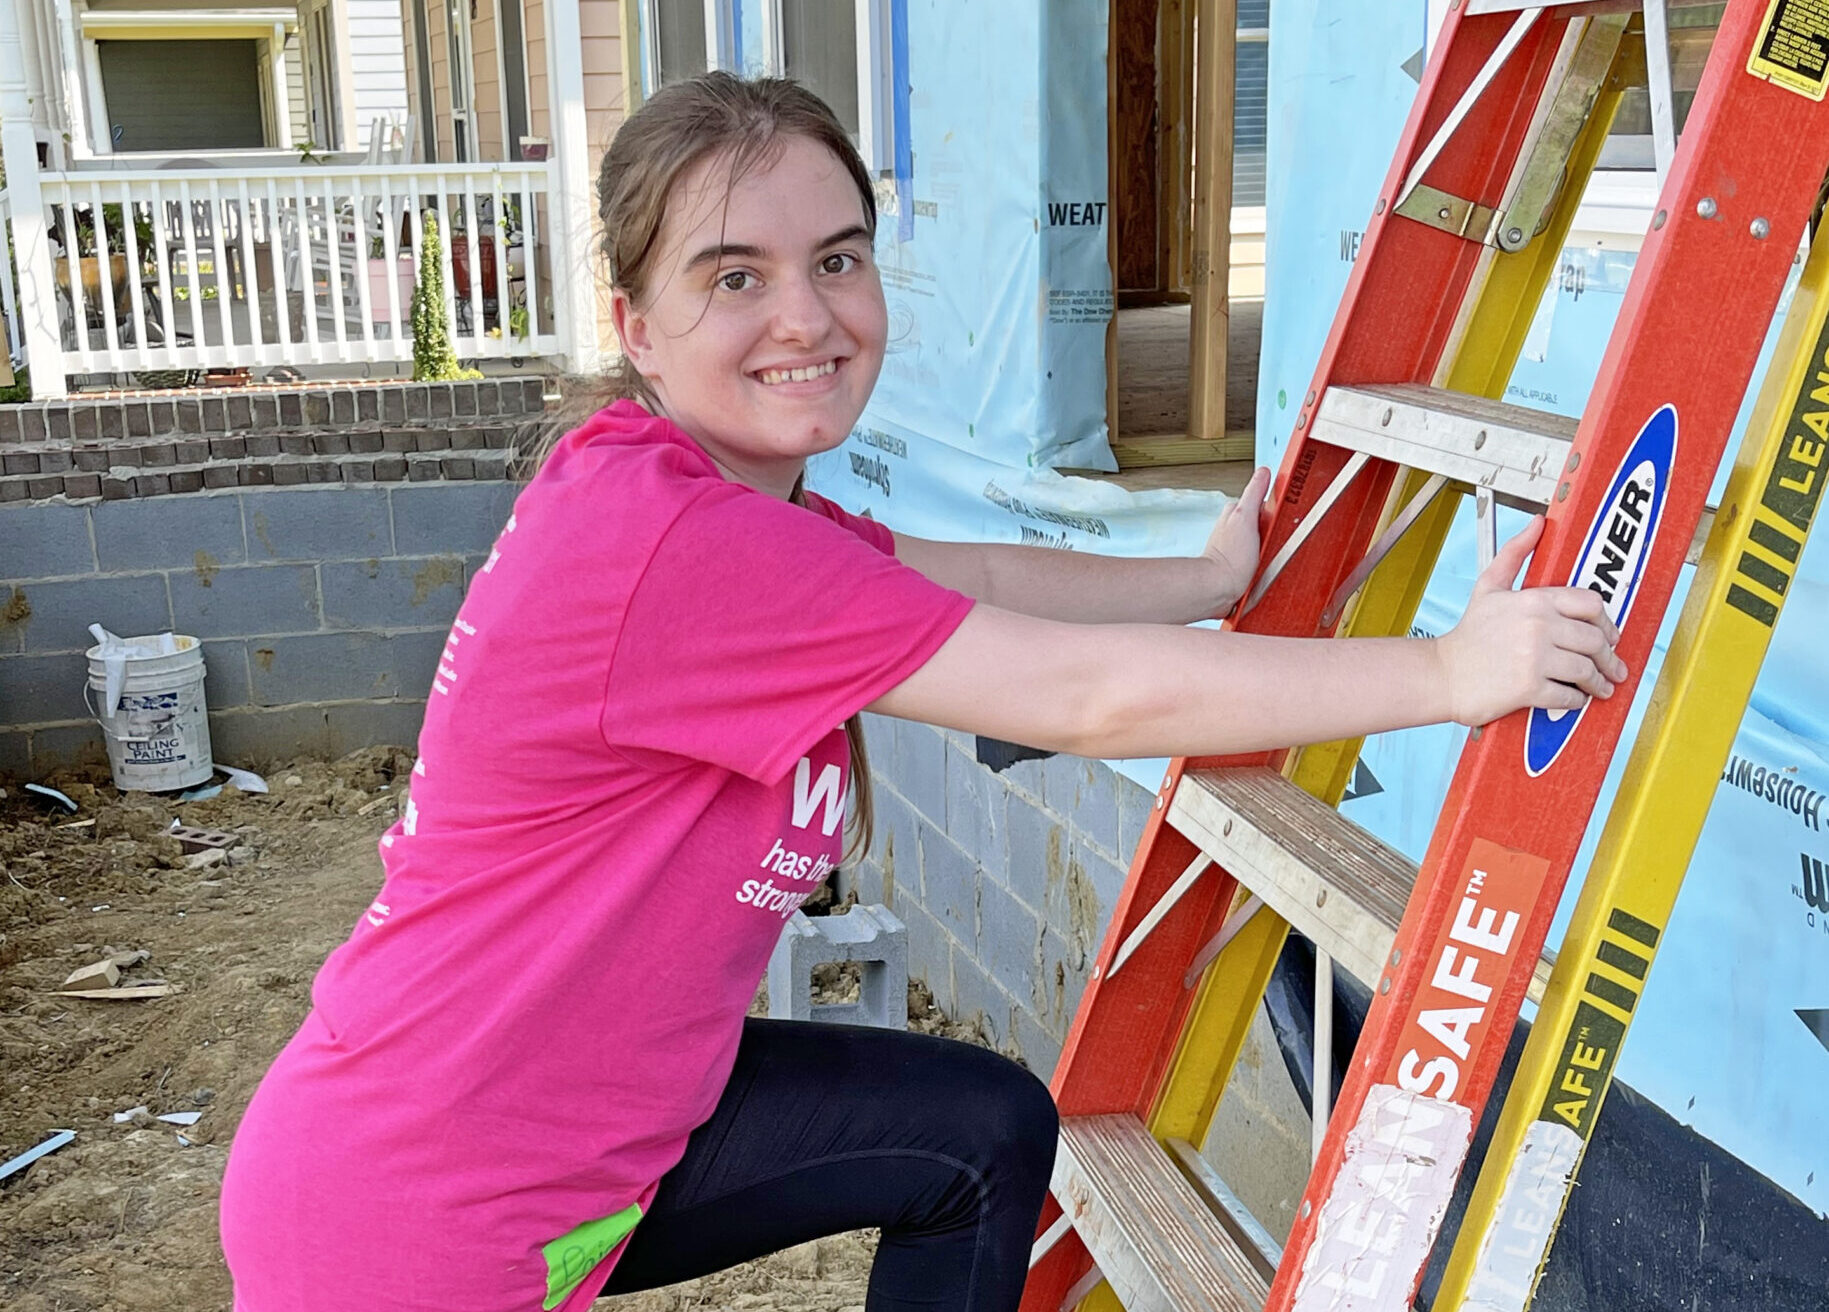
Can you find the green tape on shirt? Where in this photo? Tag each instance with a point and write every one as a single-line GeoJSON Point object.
{"type": "Point", "coordinates": [572, 1257]}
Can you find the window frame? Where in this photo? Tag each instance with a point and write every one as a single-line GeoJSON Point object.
{"type": "Point", "coordinates": [720, 39]}
{"type": "Point", "coordinates": [875, 77]}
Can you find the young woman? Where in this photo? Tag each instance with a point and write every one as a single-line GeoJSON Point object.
{"type": "Point", "coordinates": [527, 1077]}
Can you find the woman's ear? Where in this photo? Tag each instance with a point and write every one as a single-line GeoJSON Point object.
{"type": "Point", "coordinates": [632, 330]}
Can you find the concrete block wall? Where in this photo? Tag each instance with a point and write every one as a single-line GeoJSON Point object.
{"type": "Point", "coordinates": [1006, 880]}
{"type": "Point", "coordinates": [321, 590]}
{"type": "Point", "coordinates": [321, 611]}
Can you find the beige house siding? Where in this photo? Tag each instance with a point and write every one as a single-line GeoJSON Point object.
{"type": "Point", "coordinates": [539, 120]}
{"type": "Point", "coordinates": [438, 44]}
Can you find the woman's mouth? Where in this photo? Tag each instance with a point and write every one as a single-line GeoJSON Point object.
{"type": "Point", "coordinates": [775, 377]}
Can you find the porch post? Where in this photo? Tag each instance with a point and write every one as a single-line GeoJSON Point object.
{"type": "Point", "coordinates": [71, 80]}
{"type": "Point", "coordinates": [574, 271]}
{"type": "Point", "coordinates": [37, 305]}
{"type": "Point", "coordinates": [276, 75]}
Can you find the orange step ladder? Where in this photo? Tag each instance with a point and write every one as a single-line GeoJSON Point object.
{"type": "Point", "coordinates": [1400, 419]}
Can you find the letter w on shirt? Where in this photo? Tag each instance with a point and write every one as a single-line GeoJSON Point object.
{"type": "Point", "coordinates": [808, 795]}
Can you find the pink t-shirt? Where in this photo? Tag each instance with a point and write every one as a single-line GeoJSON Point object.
{"type": "Point", "coordinates": [632, 770]}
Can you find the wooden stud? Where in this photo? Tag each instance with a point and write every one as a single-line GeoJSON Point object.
{"type": "Point", "coordinates": [1215, 79]}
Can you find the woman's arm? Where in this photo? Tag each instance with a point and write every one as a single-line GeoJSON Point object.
{"type": "Point", "coordinates": [1147, 690]}
{"type": "Point", "coordinates": [1089, 589]}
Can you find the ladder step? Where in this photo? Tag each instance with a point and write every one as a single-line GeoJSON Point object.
{"type": "Point", "coordinates": [1160, 1247]}
{"type": "Point", "coordinates": [1328, 877]}
{"type": "Point", "coordinates": [1325, 875]}
{"type": "Point", "coordinates": [1516, 452]}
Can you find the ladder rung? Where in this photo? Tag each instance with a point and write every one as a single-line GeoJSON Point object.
{"type": "Point", "coordinates": [1316, 869]}
{"type": "Point", "coordinates": [1328, 877]}
{"type": "Point", "coordinates": [1517, 452]}
{"type": "Point", "coordinates": [1158, 1244]}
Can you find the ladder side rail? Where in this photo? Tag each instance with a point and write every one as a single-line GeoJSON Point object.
{"type": "Point", "coordinates": [1754, 151]}
{"type": "Point", "coordinates": [1416, 277]}
{"type": "Point", "coordinates": [1561, 1083]}
{"type": "Point", "coordinates": [1125, 1034]}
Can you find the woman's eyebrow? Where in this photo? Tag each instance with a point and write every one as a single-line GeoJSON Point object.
{"type": "Point", "coordinates": [723, 250]}
{"type": "Point", "coordinates": [742, 251]}
{"type": "Point", "coordinates": [851, 233]}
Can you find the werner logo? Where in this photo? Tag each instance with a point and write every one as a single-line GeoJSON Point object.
{"type": "Point", "coordinates": [1612, 561]}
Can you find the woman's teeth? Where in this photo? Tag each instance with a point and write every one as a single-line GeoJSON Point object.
{"type": "Point", "coordinates": [770, 377]}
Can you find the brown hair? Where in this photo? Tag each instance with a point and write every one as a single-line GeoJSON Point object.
{"type": "Point", "coordinates": [747, 121]}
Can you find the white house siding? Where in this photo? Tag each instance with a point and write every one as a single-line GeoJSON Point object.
{"type": "Point", "coordinates": [298, 106]}
{"type": "Point", "coordinates": [377, 55]}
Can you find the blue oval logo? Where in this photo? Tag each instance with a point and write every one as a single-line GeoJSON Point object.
{"type": "Point", "coordinates": [1612, 561]}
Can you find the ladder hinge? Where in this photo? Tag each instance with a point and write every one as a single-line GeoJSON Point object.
{"type": "Point", "coordinates": [1450, 213]}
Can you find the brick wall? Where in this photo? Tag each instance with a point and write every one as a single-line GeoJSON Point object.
{"type": "Point", "coordinates": [318, 542]}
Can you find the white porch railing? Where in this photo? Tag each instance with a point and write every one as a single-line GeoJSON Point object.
{"type": "Point", "coordinates": [255, 267]}
{"type": "Point", "coordinates": [12, 338]}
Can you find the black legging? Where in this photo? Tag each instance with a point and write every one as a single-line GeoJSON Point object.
{"type": "Point", "coordinates": [828, 1128]}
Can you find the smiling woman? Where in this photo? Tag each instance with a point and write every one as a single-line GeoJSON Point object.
{"type": "Point", "coordinates": [585, 1108]}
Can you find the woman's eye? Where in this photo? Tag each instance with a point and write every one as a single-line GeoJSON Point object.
{"type": "Point", "coordinates": [839, 262]}
{"type": "Point", "coordinates": [734, 281]}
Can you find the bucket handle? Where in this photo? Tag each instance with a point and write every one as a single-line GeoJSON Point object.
{"type": "Point", "coordinates": [103, 721]}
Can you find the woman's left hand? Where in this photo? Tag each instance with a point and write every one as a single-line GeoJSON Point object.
{"type": "Point", "coordinates": [1233, 547]}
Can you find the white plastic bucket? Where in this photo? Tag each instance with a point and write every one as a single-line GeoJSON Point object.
{"type": "Point", "coordinates": [159, 732]}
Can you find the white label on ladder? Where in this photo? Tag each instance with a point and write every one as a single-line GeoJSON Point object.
{"type": "Point", "coordinates": [1528, 1209]}
{"type": "Point", "coordinates": [1375, 1229]}
{"type": "Point", "coordinates": [1613, 559]}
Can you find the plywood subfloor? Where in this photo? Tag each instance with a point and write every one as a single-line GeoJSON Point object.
{"type": "Point", "coordinates": [1153, 369]}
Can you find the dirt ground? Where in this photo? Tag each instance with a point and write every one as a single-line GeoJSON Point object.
{"type": "Point", "coordinates": [123, 1219]}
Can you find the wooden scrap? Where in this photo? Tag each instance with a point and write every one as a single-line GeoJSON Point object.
{"type": "Point", "coordinates": [192, 839]}
{"type": "Point", "coordinates": [125, 994]}
{"type": "Point", "coordinates": [103, 974]}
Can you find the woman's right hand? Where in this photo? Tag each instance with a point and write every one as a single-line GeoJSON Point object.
{"type": "Point", "coordinates": [1548, 647]}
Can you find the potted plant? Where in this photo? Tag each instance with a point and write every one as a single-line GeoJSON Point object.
{"type": "Point", "coordinates": [433, 359]}
{"type": "Point", "coordinates": [80, 251]}
{"type": "Point", "coordinates": [378, 275]}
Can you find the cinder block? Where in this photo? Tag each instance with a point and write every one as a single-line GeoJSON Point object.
{"type": "Point", "coordinates": [67, 744]}
{"type": "Point", "coordinates": [1009, 941]}
{"type": "Point", "coordinates": [1065, 965]}
{"type": "Point", "coordinates": [930, 950]}
{"type": "Point", "coordinates": [1135, 806]}
{"type": "Point", "coordinates": [1105, 877]}
{"type": "Point", "coordinates": [225, 674]}
{"type": "Point", "coordinates": [976, 997]}
{"type": "Point", "coordinates": [919, 769]}
{"type": "Point", "coordinates": [329, 524]}
{"type": "Point", "coordinates": [894, 846]}
{"type": "Point", "coordinates": [1039, 1050]}
{"type": "Point", "coordinates": [38, 542]}
{"type": "Point", "coordinates": [323, 667]}
{"type": "Point", "coordinates": [165, 533]}
{"type": "Point", "coordinates": [396, 593]}
{"type": "Point", "coordinates": [974, 811]}
{"type": "Point", "coordinates": [949, 885]}
{"type": "Point", "coordinates": [260, 738]}
{"type": "Point", "coordinates": [15, 755]}
{"type": "Point", "coordinates": [416, 659]}
{"type": "Point", "coordinates": [1037, 844]}
{"type": "Point", "coordinates": [245, 601]}
{"type": "Point", "coordinates": [124, 604]}
{"type": "Point", "coordinates": [450, 517]}
{"type": "Point", "coordinates": [1095, 807]}
{"type": "Point", "coordinates": [42, 689]}
{"type": "Point", "coordinates": [863, 878]}
{"type": "Point", "coordinates": [868, 935]}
